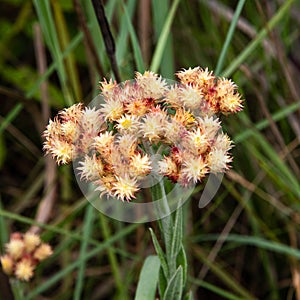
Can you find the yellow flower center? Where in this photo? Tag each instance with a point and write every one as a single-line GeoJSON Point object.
{"type": "Point", "coordinates": [126, 123]}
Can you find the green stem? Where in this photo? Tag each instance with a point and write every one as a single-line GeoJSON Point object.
{"type": "Point", "coordinates": [112, 258]}
{"type": "Point", "coordinates": [166, 223]}
{"type": "Point", "coordinates": [17, 289]}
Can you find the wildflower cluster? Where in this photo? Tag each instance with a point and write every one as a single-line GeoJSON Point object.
{"type": "Point", "coordinates": [23, 253]}
{"type": "Point", "coordinates": [115, 141]}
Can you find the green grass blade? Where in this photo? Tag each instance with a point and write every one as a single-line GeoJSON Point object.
{"type": "Point", "coordinates": [46, 20]}
{"type": "Point", "coordinates": [123, 34]}
{"type": "Point", "coordinates": [4, 234]}
{"type": "Point", "coordinates": [279, 115]}
{"type": "Point", "coordinates": [260, 36]}
{"type": "Point", "coordinates": [181, 260]}
{"type": "Point", "coordinates": [63, 35]}
{"type": "Point", "coordinates": [229, 36]}
{"type": "Point", "coordinates": [225, 277]}
{"type": "Point", "coordinates": [253, 241]}
{"type": "Point", "coordinates": [282, 171]}
{"type": "Point", "coordinates": [148, 279]}
{"type": "Point", "coordinates": [159, 50]}
{"type": "Point", "coordinates": [160, 10]}
{"type": "Point", "coordinates": [135, 43]}
{"type": "Point", "coordinates": [121, 292]}
{"type": "Point", "coordinates": [95, 29]}
{"type": "Point", "coordinates": [218, 291]}
{"type": "Point", "coordinates": [10, 117]}
{"type": "Point", "coordinates": [87, 230]}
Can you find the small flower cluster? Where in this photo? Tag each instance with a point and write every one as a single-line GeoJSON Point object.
{"type": "Point", "coordinates": [114, 143]}
{"type": "Point", "coordinates": [23, 253]}
{"type": "Point", "coordinates": [71, 132]}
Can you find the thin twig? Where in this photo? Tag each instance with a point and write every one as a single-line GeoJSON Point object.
{"type": "Point", "coordinates": [219, 243]}
{"type": "Point", "coordinates": [107, 36]}
{"type": "Point", "coordinates": [293, 262]}
{"type": "Point", "coordinates": [23, 140]}
{"type": "Point", "coordinates": [46, 205]}
{"type": "Point", "coordinates": [251, 187]}
{"type": "Point", "coordinates": [144, 28]}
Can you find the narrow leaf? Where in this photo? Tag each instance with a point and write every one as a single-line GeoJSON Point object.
{"type": "Point", "coordinates": [135, 44]}
{"type": "Point", "coordinates": [160, 253]}
{"type": "Point", "coordinates": [148, 279]}
{"type": "Point", "coordinates": [177, 234]}
{"type": "Point", "coordinates": [87, 229]}
{"type": "Point", "coordinates": [182, 261]}
{"type": "Point", "coordinates": [175, 286]}
{"type": "Point", "coordinates": [162, 283]}
{"type": "Point", "coordinates": [159, 50]}
{"type": "Point", "coordinates": [260, 36]}
{"type": "Point", "coordinates": [10, 117]}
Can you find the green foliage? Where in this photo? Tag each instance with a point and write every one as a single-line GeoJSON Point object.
{"type": "Point", "coordinates": [173, 273]}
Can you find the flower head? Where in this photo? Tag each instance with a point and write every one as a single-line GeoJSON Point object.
{"type": "Point", "coordinates": [210, 125]}
{"type": "Point", "coordinates": [153, 126]}
{"type": "Point", "coordinates": [23, 252]}
{"type": "Point", "coordinates": [218, 160]}
{"type": "Point", "coordinates": [191, 98]}
{"type": "Point", "coordinates": [169, 168]}
{"type": "Point", "coordinates": [7, 264]}
{"type": "Point", "coordinates": [124, 188]}
{"type": "Point", "coordinates": [42, 252]}
{"type": "Point", "coordinates": [197, 77]}
{"type": "Point", "coordinates": [107, 87]}
{"type": "Point", "coordinates": [128, 124]}
{"type": "Point", "coordinates": [91, 168]}
{"type": "Point", "coordinates": [31, 241]}
{"type": "Point", "coordinates": [114, 143]}
{"type": "Point", "coordinates": [24, 269]}
{"type": "Point", "coordinates": [140, 165]}
{"type": "Point", "coordinates": [153, 85]}
{"type": "Point", "coordinates": [193, 169]}
{"type": "Point", "coordinates": [198, 140]}
{"type": "Point", "coordinates": [112, 109]}
{"type": "Point", "coordinates": [15, 248]}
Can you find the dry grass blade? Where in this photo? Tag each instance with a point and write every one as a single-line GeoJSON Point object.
{"type": "Point", "coordinates": [46, 205]}
{"type": "Point", "coordinates": [144, 28]}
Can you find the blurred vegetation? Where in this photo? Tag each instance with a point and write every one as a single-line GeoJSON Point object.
{"type": "Point", "coordinates": [244, 244]}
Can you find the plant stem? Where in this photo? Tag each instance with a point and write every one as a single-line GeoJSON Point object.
{"type": "Point", "coordinates": [112, 258]}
